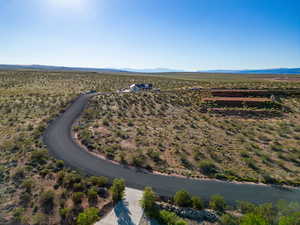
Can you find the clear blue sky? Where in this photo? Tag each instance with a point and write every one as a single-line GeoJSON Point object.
{"type": "Point", "coordinates": [177, 34]}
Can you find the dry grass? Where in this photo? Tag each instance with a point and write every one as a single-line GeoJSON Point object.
{"type": "Point", "coordinates": [169, 133]}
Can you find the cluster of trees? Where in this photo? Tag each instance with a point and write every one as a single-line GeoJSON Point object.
{"type": "Point", "coordinates": [163, 216]}
{"type": "Point", "coordinates": [283, 213]}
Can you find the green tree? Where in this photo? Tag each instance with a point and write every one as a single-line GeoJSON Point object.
{"type": "Point", "coordinates": [28, 184]}
{"type": "Point", "coordinates": [117, 189]}
{"type": "Point", "coordinates": [39, 219]}
{"type": "Point", "coordinates": [88, 216]}
{"type": "Point", "coordinates": [148, 200]}
{"type": "Point", "coordinates": [92, 194]}
{"type": "Point", "coordinates": [17, 213]}
{"type": "Point", "coordinates": [197, 203]}
{"type": "Point", "coordinates": [182, 198]}
{"type": "Point", "coordinates": [98, 181]}
{"type": "Point", "coordinates": [39, 156]}
{"type": "Point", "coordinates": [268, 212]}
{"type": "Point", "coordinates": [207, 167]}
{"type": "Point", "coordinates": [246, 207]}
{"type": "Point", "coordinates": [228, 219]}
{"type": "Point", "coordinates": [217, 203]}
{"type": "Point", "coordinates": [293, 219]}
{"type": "Point", "coordinates": [66, 215]}
{"type": "Point", "coordinates": [170, 218]}
{"type": "Point", "coordinates": [77, 197]}
{"type": "Point", "coordinates": [253, 219]}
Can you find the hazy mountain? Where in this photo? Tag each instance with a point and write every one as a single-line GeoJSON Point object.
{"type": "Point", "coordinates": [43, 67]}
{"type": "Point", "coordinates": [259, 71]}
{"type": "Point", "coordinates": [155, 70]}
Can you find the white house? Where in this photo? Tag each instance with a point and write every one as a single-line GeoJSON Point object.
{"type": "Point", "coordinates": [140, 87]}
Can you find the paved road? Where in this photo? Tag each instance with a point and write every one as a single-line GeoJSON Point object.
{"type": "Point", "coordinates": [60, 143]}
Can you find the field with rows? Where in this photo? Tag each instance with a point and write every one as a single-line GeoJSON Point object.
{"type": "Point", "coordinates": [178, 133]}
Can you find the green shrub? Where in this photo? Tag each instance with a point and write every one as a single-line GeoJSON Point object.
{"type": "Point", "coordinates": [88, 217]}
{"type": "Point", "coordinates": [138, 161]}
{"type": "Point", "coordinates": [148, 200]}
{"type": "Point", "coordinates": [59, 164]}
{"type": "Point", "coordinates": [105, 122]}
{"type": "Point", "coordinates": [228, 219]}
{"type": "Point", "coordinates": [47, 201]}
{"type": "Point", "coordinates": [28, 184]}
{"type": "Point", "coordinates": [2, 172]}
{"type": "Point", "coordinates": [25, 220]}
{"type": "Point", "coordinates": [69, 179]}
{"type": "Point", "coordinates": [246, 207]}
{"type": "Point", "coordinates": [25, 198]}
{"type": "Point", "coordinates": [197, 203]}
{"type": "Point", "coordinates": [17, 213]}
{"type": "Point", "coordinates": [207, 167]}
{"type": "Point", "coordinates": [39, 156]}
{"type": "Point", "coordinates": [217, 203]}
{"type": "Point", "coordinates": [92, 194]}
{"type": "Point", "coordinates": [64, 212]}
{"type": "Point", "coordinates": [251, 219]}
{"type": "Point", "coordinates": [77, 197]}
{"type": "Point", "coordinates": [293, 219]}
{"type": "Point", "coordinates": [78, 187]}
{"type": "Point", "coordinates": [182, 198]}
{"type": "Point", "coordinates": [98, 181]}
{"type": "Point", "coordinates": [39, 219]}
{"type": "Point", "coordinates": [19, 174]}
{"type": "Point", "coordinates": [170, 218]}
{"type": "Point", "coordinates": [117, 189]}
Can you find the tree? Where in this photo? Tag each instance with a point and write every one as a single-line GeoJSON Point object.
{"type": "Point", "coordinates": [39, 156]}
{"type": "Point", "coordinates": [98, 181]}
{"type": "Point", "coordinates": [148, 200]}
{"type": "Point", "coordinates": [217, 203]}
{"type": "Point", "coordinates": [88, 216]}
{"type": "Point", "coordinates": [39, 219]}
{"type": "Point", "coordinates": [77, 196]}
{"type": "Point", "coordinates": [117, 189]}
{"type": "Point", "coordinates": [17, 213]}
{"type": "Point", "coordinates": [66, 216]}
{"type": "Point", "coordinates": [252, 218]}
{"type": "Point", "coordinates": [207, 167]}
{"type": "Point", "coordinates": [293, 219]}
{"type": "Point", "coordinates": [246, 207]}
{"type": "Point", "coordinates": [28, 184]}
{"type": "Point", "coordinates": [92, 194]}
{"type": "Point", "coordinates": [228, 219]}
{"type": "Point", "coordinates": [197, 203]}
{"type": "Point", "coordinates": [182, 198]}
{"type": "Point", "coordinates": [170, 218]}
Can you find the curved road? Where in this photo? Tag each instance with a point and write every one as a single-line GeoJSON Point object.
{"type": "Point", "coordinates": [60, 143]}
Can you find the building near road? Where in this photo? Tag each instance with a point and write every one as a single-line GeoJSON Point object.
{"type": "Point", "coordinates": [140, 87]}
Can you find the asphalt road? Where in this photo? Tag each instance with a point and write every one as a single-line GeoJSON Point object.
{"type": "Point", "coordinates": [61, 145]}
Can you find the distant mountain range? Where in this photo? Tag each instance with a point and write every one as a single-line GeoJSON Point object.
{"type": "Point", "coordinates": [156, 70]}
{"type": "Point", "coordinates": [259, 71]}
{"type": "Point", "coordinates": [59, 68]}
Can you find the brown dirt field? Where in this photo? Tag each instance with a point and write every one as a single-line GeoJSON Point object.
{"type": "Point", "coordinates": [237, 99]}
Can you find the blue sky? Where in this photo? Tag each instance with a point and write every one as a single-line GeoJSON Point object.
{"type": "Point", "coordinates": [177, 34]}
